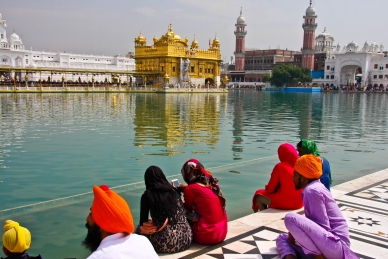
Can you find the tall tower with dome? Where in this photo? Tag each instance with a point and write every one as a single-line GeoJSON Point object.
{"type": "Point", "coordinates": [240, 32]}
{"type": "Point", "coordinates": [3, 33]}
{"type": "Point", "coordinates": [309, 27]}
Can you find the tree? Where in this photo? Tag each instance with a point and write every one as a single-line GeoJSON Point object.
{"type": "Point", "coordinates": [289, 75]}
{"type": "Point", "coordinates": [266, 77]}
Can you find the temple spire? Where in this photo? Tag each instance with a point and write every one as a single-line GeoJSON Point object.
{"type": "Point", "coordinates": [240, 10]}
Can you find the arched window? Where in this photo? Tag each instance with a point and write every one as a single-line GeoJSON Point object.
{"type": "Point", "coordinates": [18, 62]}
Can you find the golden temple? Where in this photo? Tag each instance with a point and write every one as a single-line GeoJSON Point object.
{"type": "Point", "coordinates": [185, 65]}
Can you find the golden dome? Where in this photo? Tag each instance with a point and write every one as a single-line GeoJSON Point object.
{"type": "Point", "coordinates": [171, 35]}
{"type": "Point", "coordinates": [141, 39]}
{"type": "Point", "coordinates": [194, 44]}
{"type": "Point", "coordinates": [216, 43]}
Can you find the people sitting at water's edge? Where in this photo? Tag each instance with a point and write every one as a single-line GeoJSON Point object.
{"type": "Point", "coordinates": [280, 192]}
{"type": "Point", "coordinates": [166, 208]}
{"type": "Point", "coordinates": [305, 147]}
{"type": "Point", "coordinates": [16, 241]}
{"type": "Point", "coordinates": [110, 229]}
{"type": "Point", "coordinates": [323, 233]}
{"type": "Point", "coordinates": [205, 204]}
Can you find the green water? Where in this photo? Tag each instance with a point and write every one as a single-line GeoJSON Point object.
{"type": "Point", "coordinates": [57, 145]}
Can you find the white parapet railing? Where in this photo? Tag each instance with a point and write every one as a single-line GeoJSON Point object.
{"type": "Point", "coordinates": [39, 206]}
{"type": "Point", "coordinates": [64, 201]}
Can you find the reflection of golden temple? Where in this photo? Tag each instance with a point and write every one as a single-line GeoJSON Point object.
{"type": "Point", "coordinates": [172, 55]}
{"type": "Point", "coordinates": [172, 125]}
{"type": "Point", "coordinates": [225, 80]}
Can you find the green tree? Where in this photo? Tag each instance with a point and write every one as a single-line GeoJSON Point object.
{"type": "Point", "coordinates": [266, 77]}
{"type": "Point", "coordinates": [289, 75]}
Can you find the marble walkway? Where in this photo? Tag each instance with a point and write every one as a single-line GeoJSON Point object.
{"type": "Point", "coordinates": [363, 201]}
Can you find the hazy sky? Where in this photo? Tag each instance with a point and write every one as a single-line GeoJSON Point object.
{"type": "Point", "coordinates": [109, 27]}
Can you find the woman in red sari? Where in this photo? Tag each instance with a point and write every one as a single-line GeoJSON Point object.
{"type": "Point", "coordinates": [205, 204]}
{"type": "Point", "coordinates": [280, 192]}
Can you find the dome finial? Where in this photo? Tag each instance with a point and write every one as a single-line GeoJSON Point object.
{"type": "Point", "coordinates": [240, 10]}
{"type": "Point", "coordinates": [170, 29]}
{"type": "Point", "coordinates": [311, 2]}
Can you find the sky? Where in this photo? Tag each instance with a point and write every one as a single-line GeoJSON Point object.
{"type": "Point", "coordinates": [108, 27]}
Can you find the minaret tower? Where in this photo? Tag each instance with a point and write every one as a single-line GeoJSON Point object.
{"type": "Point", "coordinates": [240, 32]}
{"type": "Point", "coordinates": [309, 27]}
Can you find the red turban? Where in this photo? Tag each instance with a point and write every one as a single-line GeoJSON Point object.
{"type": "Point", "coordinates": [111, 212]}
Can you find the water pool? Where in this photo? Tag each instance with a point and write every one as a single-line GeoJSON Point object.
{"type": "Point", "coordinates": [57, 145]}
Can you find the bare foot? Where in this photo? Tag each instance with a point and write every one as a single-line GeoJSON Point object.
{"type": "Point", "coordinates": [319, 257]}
{"type": "Point", "coordinates": [289, 257]}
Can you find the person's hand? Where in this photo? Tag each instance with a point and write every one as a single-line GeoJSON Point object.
{"type": "Point", "coordinates": [182, 186]}
{"type": "Point", "coordinates": [291, 238]}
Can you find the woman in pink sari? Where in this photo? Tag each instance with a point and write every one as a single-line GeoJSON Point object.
{"type": "Point", "coordinates": [205, 204]}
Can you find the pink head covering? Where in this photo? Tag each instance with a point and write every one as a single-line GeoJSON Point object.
{"type": "Point", "coordinates": [193, 171]}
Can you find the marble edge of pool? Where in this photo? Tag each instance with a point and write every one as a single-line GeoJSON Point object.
{"type": "Point", "coordinates": [274, 218]}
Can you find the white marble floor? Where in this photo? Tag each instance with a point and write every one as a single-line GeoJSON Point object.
{"type": "Point", "coordinates": [363, 202]}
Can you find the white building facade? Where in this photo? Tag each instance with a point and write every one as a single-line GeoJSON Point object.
{"type": "Point", "coordinates": [350, 65]}
{"type": "Point", "coordinates": [13, 54]}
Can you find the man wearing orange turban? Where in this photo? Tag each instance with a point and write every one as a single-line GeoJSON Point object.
{"type": "Point", "coordinates": [110, 229]}
{"type": "Point", "coordinates": [16, 240]}
{"type": "Point", "coordinates": [323, 233]}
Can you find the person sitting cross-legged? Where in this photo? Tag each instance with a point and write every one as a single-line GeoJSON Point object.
{"type": "Point", "coordinates": [204, 203]}
{"type": "Point", "coordinates": [323, 233]}
{"type": "Point", "coordinates": [165, 205]}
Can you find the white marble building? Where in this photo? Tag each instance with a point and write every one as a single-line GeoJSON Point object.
{"type": "Point", "coordinates": [14, 54]}
{"type": "Point", "coordinates": [324, 42]}
{"type": "Point", "coordinates": [343, 65]}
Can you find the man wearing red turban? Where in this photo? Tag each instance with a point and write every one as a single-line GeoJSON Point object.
{"type": "Point", "coordinates": [110, 229]}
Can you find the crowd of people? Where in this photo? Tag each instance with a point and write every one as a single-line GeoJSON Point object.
{"type": "Point", "coordinates": [356, 87]}
{"type": "Point", "coordinates": [173, 215]}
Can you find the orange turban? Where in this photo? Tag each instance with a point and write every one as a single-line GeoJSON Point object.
{"type": "Point", "coordinates": [111, 212]}
{"type": "Point", "coordinates": [309, 166]}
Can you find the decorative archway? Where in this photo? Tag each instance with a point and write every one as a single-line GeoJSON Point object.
{"type": "Point", "coordinates": [348, 70]}
{"type": "Point", "coordinates": [18, 62]}
{"type": "Point", "coordinates": [209, 80]}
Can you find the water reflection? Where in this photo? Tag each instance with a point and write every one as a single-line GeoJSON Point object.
{"type": "Point", "coordinates": [52, 140]}
{"type": "Point", "coordinates": [56, 145]}
{"type": "Point", "coordinates": [177, 120]}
